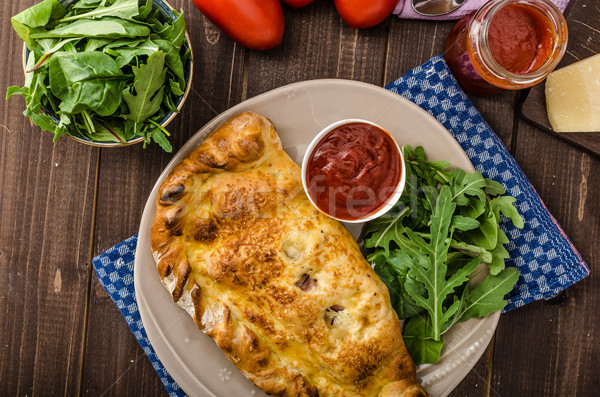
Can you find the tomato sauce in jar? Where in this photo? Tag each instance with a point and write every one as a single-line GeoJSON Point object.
{"type": "Point", "coordinates": [353, 171]}
{"type": "Point", "coordinates": [520, 38]}
{"type": "Point", "coordinates": [506, 44]}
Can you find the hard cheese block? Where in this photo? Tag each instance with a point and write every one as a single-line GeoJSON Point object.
{"type": "Point", "coordinates": [573, 96]}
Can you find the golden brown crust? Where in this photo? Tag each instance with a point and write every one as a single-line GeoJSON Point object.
{"type": "Point", "coordinates": [283, 290]}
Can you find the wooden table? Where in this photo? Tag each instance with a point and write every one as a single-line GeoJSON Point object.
{"type": "Point", "coordinates": [62, 204]}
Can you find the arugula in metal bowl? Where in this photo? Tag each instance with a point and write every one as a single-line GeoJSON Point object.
{"type": "Point", "coordinates": [428, 247]}
{"type": "Point", "coordinates": [102, 70]}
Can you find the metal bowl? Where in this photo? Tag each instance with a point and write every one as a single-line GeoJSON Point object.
{"type": "Point", "coordinates": [166, 10]}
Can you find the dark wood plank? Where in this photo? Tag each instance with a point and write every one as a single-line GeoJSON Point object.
{"type": "Point", "coordinates": [318, 44]}
{"type": "Point", "coordinates": [46, 200]}
{"type": "Point", "coordinates": [554, 349]}
{"type": "Point", "coordinates": [584, 41]}
{"type": "Point", "coordinates": [475, 383]}
{"type": "Point", "coordinates": [114, 362]}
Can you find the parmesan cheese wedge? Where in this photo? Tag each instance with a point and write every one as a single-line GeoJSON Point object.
{"type": "Point", "coordinates": [573, 96]}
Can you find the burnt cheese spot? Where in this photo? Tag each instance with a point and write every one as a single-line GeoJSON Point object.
{"type": "Point", "coordinates": [174, 226]}
{"type": "Point", "coordinates": [205, 230]}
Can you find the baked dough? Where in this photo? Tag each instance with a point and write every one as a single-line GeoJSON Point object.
{"type": "Point", "coordinates": [282, 289]}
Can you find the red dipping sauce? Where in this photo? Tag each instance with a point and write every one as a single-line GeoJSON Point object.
{"type": "Point", "coordinates": [520, 38]}
{"type": "Point", "coordinates": [353, 171]}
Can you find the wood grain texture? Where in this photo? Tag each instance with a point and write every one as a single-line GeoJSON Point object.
{"type": "Point", "coordinates": [46, 193]}
{"type": "Point", "coordinates": [114, 362]}
{"type": "Point", "coordinates": [317, 44]}
{"type": "Point", "coordinates": [553, 349]}
{"type": "Point", "coordinates": [584, 41]}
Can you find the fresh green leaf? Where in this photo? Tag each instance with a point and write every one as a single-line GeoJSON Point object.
{"type": "Point", "coordinates": [506, 206]}
{"type": "Point", "coordinates": [176, 88]}
{"type": "Point", "coordinates": [159, 137]}
{"type": "Point", "coordinates": [107, 27]}
{"type": "Point", "coordinates": [145, 10]}
{"type": "Point", "coordinates": [467, 184]}
{"type": "Point", "coordinates": [486, 235]}
{"type": "Point", "coordinates": [428, 255]}
{"type": "Point", "coordinates": [464, 223]}
{"type": "Point", "coordinates": [149, 89]}
{"type": "Point", "coordinates": [386, 228]}
{"type": "Point", "coordinates": [499, 254]}
{"type": "Point", "coordinates": [33, 19]}
{"type": "Point", "coordinates": [433, 275]}
{"type": "Point", "coordinates": [40, 14]}
{"type": "Point", "coordinates": [472, 250]}
{"type": "Point", "coordinates": [48, 53]}
{"type": "Point", "coordinates": [86, 80]}
{"type": "Point", "coordinates": [16, 90]}
{"type": "Point", "coordinates": [421, 348]}
{"type": "Point", "coordinates": [120, 8]}
{"type": "Point", "coordinates": [86, 4]}
{"type": "Point", "coordinates": [474, 208]}
{"type": "Point", "coordinates": [174, 32]}
{"type": "Point", "coordinates": [493, 188]}
{"type": "Point", "coordinates": [488, 297]}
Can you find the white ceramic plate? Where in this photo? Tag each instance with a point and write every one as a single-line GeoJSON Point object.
{"type": "Point", "coordinates": [298, 111]}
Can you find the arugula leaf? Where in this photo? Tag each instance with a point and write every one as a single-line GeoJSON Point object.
{"type": "Point", "coordinates": [394, 273]}
{"type": "Point", "coordinates": [493, 188]}
{"type": "Point", "coordinates": [506, 206]}
{"type": "Point", "coordinates": [486, 297]}
{"type": "Point", "coordinates": [422, 349]}
{"type": "Point", "coordinates": [499, 254]}
{"type": "Point", "coordinates": [472, 250]}
{"type": "Point", "coordinates": [433, 276]}
{"type": "Point", "coordinates": [149, 88]}
{"type": "Point", "coordinates": [486, 235]}
{"type": "Point", "coordinates": [145, 10]}
{"type": "Point", "coordinates": [467, 184]}
{"type": "Point", "coordinates": [385, 229]}
{"type": "Point", "coordinates": [159, 137]}
{"type": "Point", "coordinates": [464, 223]}
{"type": "Point", "coordinates": [427, 250]}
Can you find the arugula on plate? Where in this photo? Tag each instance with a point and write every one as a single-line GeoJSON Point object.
{"type": "Point", "coordinates": [429, 247]}
{"type": "Point", "coordinates": [102, 70]}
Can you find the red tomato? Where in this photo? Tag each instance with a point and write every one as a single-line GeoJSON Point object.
{"type": "Point", "coordinates": [362, 14]}
{"type": "Point", "coordinates": [256, 24]}
{"type": "Point", "coordinates": [297, 3]}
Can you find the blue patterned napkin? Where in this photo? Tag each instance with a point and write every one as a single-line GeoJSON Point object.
{"type": "Point", "coordinates": [541, 251]}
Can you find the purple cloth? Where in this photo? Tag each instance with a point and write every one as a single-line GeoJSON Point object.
{"type": "Point", "coordinates": [404, 9]}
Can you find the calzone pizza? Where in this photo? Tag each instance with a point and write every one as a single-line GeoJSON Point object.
{"type": "Point", "coordinates": [282, 289]}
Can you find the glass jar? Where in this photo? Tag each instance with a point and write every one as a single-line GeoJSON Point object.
{"type": "Point", "coordinates": [468, 52]}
